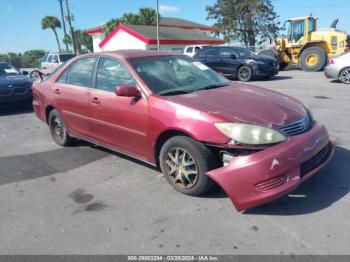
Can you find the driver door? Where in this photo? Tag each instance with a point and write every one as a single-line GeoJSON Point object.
{"type": "Point", "coordinates": [118, 122]}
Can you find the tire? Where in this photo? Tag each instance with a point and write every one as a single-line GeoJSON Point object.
{"type": "Point", "coordinates": [344, 76]}
{"type": "Point", "coordinates": [313, 59]}
{"type": "Point", "coordinates": [245, 74]}
{"type": "Point", "coordinates": [58, 130]}
{"type": "Point", "coordinates": [197, 158]}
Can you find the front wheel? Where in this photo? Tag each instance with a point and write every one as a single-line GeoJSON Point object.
{"type": "Point", "coordinates": [344, 76]}
{"type": "Point", "coordinates": [58, 130]}
{"type": "Point", "coordinates": [184, 162]}
{"type": "Point", "coordinates": [244, 74]}
{"type": "Point", "coordinates": [313, 59]}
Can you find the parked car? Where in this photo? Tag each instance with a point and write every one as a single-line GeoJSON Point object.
{"type": "Point", "coordinates": [53, 60]}
{"type": "Point", "coordinates": [14, 85]}
{"type": "Point", "coordinates": [175, 113]}
{"type": "Point", "coordinates": [191, 50]}
{"type": "Point", "coordinates": [238, 62]}
{"type": "Point", "coordinates": [339, 68]}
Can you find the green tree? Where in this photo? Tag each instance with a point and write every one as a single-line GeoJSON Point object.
{"type": "Point", "coordinates": [83, 42]}
{"type": "Point", "coordinates": [145, 16]}
{"type": "Point", "coordinates": [31, 58]}
{"type": "Point", "coordinates": [67, 40]}
{"type": "Point", "coordinates": [248, 21]}
{"type": "Point", "coordinates": [53, 23]}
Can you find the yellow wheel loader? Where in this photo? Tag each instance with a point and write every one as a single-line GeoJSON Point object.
{"type": "Point", "coordinates": [307, 47]}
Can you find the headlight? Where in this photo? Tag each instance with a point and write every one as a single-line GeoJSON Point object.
{"type": "Point", "coordinates": [252, 61]}
{"type": "Point", "coordinates": [250, 134]}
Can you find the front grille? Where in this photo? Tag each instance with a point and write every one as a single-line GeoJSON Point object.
{"type": "Point", "coordinates": [19, 90]}
{"type": "Point", "coordinates": [316, 160]}
{"type": "Point", "coordinates": [5, 91]}
{"type": "Point", "coordinates": [298, 127]}
{"type": "Point", "coordinates": [272, 183]}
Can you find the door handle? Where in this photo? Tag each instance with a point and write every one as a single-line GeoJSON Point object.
{"type": "Point", "coordinates": [95, 100]}
{"type": "Point", "coordinates": [57, 91]}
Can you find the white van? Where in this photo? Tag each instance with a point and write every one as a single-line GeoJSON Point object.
{"type": "Point", "coordinates": [191, 50]}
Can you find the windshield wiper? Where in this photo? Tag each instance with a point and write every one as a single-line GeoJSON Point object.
{"type": "Point", "coordinates": [212, 86]}
{"type": "Point", "coordinates": [175, 92]}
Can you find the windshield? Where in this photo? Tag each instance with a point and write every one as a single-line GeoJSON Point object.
{"type": "Point", "coordinates": [171, 75]}
{"type": "Point", "coordinates": [241, 51]}
{"type": "Point", "coordinates": [66, 57]}
{"type": "Point", "coordinates": [8, 70]}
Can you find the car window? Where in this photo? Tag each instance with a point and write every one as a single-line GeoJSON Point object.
{"type": "Point", "coordinates": [226, 52]}
{"type": "Point", "coordinates": [8, 70]}
{"type": "Point", "coordinates": [44, 58]}
{"type": "Point", "coordinates": [242, 51]}
{"type": "Point", "coordinates": [55, 59]}
{"type": "Point", "coordinates": [189, 49]}
{"type": "Point", "coordinates": [79, 73]}
{"type": "Point", "coordinates": [111, 73]}
{"type": "Point", "coordinates": [66, 57]}
{"type": "Point", "coordinates": [210, 52]}
{"type": "Point", "coordinates": [49, 59]}
{"type": "Point", "coordinates": [165, 74]}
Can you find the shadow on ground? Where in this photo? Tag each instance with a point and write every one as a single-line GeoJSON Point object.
{"type": "Point", "coordinates": [325, 188]}
{"type": "Point", "coordinates": [16, 108]}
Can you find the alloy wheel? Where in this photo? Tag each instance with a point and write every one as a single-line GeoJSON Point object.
{"type": "Point", "coordinates": [181, 168]}
{"type": "Point", "coordinates": [244, 73]}
{"type": "Point", "coordinates": [345, 76]}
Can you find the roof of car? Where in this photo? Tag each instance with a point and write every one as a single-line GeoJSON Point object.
{"type": "Point", "coordinates": [133, 53]}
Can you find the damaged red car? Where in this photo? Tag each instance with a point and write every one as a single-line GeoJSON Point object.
{"type": "Point", "coordinates": [175, 113]}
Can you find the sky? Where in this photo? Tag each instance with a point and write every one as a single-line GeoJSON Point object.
{"type": "Point", "coordinates": [20, 28]}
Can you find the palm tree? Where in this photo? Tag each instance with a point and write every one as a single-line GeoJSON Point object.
{"type": "Point", "coordinates": [67, 40]}
{"type": "Point", "coordinates": [147, 16]}
{"type": "Point", "coordinates": [53, 23]}
{"type": "Point", "coordinates": [110, 25]}
{"type": "Point", "coordinates": [130, 19]}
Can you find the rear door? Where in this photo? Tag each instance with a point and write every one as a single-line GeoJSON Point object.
{"type": "Point", "coordinates": [210, 57]}
{"type": "Point", "coordinates": [118, 122]}
{"type": "Point", "coordinates": [72, 93]}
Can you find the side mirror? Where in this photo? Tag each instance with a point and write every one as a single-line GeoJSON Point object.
{"type": "Point", "coordinates": [128, 91]}
{"type": "Point", "coordinates": [25, 73]}
{"type": "Point", "coordinates": [233, 56]}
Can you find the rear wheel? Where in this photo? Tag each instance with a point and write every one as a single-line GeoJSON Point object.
{"type": "Point", "coordinates": [313, 59]}
{"type": "Point", "coordinates": [184, 162]}
{"type": "Point", "coordinates": [344, 76]}
{"type": "Point", "coordinates": [58, 130]}
{"type": "Point", "coordinates": [244, 74]}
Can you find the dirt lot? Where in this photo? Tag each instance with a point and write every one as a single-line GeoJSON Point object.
{"type": "Point", "coordinates": [88, 200]}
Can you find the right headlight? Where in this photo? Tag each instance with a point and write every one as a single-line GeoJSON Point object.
{"type": "Point", "coordinates": [250, 134]}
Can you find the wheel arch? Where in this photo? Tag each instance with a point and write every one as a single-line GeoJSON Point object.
{"type": "Point", "coordinates": [48, 109]}
{"type": "Point", "coordinates": [320, 44]}
{"type": "Point", "coordinates": [163, 137]}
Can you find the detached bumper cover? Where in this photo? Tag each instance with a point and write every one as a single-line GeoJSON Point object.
{"type": "Point", "coordinates": [259, 178]}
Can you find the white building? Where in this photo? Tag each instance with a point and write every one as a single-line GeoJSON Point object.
{"type": "Point", "coordinates": [174, 34]}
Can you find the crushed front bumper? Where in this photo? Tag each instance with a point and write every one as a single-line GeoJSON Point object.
{"type": "Point", "coordinates": [261, 177]}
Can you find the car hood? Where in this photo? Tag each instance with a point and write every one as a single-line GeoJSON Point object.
{"type": "Point", "coordinates": [16, 80]}
{"type": "Point", "coordinates": [244, 104]}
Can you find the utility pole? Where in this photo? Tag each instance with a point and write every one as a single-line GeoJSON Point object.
{"type": "Point", "coordinates": [63, 22]}
{"type": "Point", "coordinates": [158, 44]}
{"type": "Point", "coordinates": [71, 27]}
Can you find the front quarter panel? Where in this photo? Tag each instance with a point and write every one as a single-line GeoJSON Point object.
{"type": "Point", "coordinates": [166, 115]}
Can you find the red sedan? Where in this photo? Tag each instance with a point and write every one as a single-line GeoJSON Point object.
{"type": "Point", "coordinates": [175, 113]}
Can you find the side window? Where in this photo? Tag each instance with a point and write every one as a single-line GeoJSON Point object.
{"type": "Point", "coordinates": [55, 59]}
{"type": "Point", "coordinates": [79, 74]}
{"type": "Point", "coordinates": [189, 49]}
{"type": "Point", "coordinates": [111, 73]}
{"type": "Point", "coordinates": [211, 52]}
{"type": "Point", "coordinates": [226, 52]}
{"type": "Point", "coordinates": [49, 59]}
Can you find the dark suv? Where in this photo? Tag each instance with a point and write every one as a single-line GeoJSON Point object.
{"type": "Point", "coordinates": [237, 62]}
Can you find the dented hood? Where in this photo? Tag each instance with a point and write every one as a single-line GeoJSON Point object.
{"type": "Point", "coordinates": [245, 104]}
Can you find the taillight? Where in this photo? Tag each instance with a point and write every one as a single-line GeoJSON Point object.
{"type": "Point", "coordinates": [330, 61]}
